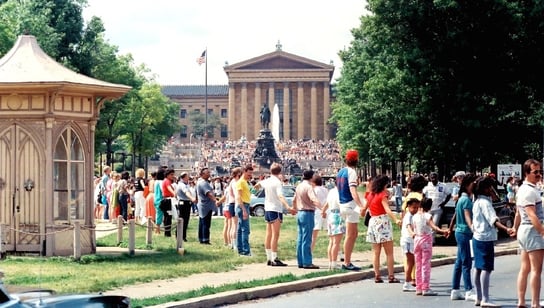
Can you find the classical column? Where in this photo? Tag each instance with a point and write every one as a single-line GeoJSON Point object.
{"type": "Point", "coordinates": [244, 114]}
{"type": "Point", "coordinates": [286, 112]}
{"type": "Point", "coordinates": [231, 114]}
{"type": "Point", "coordinates": [257, 109]}
{"type": "Point", "coordinates": [313, 112]}
{"type": "Point", "coordinates": [271, 96]}
{"type": "Point", "coordinates": [300, 110]}
{"type": "Point", "coordinates": [326, 111]}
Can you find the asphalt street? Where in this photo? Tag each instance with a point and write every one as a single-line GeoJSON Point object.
{"type": "Point", "coordinates": [366, 293]}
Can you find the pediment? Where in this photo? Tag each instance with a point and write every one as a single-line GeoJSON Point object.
{"type": "Point", "coordinates": [279, 60]}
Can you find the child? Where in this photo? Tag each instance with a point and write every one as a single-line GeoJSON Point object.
{"type": "Point", "coordinates": [407, 243]}
{"type": "Point", "coordinates": [336, 226]}
{"type": "Point", "coordinates": [423, 226]}
{"type": "Point", "coordinates": [484, 224]}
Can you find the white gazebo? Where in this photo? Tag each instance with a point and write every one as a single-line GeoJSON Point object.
{"type": "Point", "coordinates": [48, 115]}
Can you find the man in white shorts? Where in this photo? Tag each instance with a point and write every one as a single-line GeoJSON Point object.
{"type": "Point", "coordinates": [530, 232]}
{"type": "Point", "coordinates": [274, 203]}
{"type": "Point", "coordinates": [350, 205]}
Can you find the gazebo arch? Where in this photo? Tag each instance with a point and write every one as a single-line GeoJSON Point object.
{"type": "Point", "coordinates": [43, 103]}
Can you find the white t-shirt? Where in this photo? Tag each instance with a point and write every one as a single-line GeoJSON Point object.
{"type": "Point", "coordinates": [321, 193]}
{"type": "Point", "coordinates": [333, 199]}
{"type": "Point", "coordinates": [437, 193]}
{"type": "Point", "coordinates": [420, 222]}
{"type": "Point", "coordinates": [272, 190]}
{"type": "Point", "coordinates": [232, 192]}
{"type": "Point", "coordinates": [405, 236]}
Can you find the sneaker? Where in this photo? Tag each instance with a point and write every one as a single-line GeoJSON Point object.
{"type": "Point", "coordinates": [277, 262]}
{"type": "Point", "coordinates": [489, 304]}
{"type": "Point", "coordinates": [477, 302]}
{"type": "Point", "coordinates": [350, 267]}
{"type": "Point", "coordinates": [429, 293]}
{"type": "Point", "coordinates": [457, 295]}
{"type": "Point", "coordinates": [418, 292]}
{"type": "Point", "coordinates": [407, 287]}
{"type": "Point", "coordinates": [470, 295]}
{"type": "Point", "coordinates": [269, 263]}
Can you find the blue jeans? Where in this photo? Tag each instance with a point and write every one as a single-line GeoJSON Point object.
{"type": "Point", "coordinates": [463, 263]}
{"type": "Point", "coordinates": [305, 222]}
{"type": "Point", "coordinates": [242, 237]}
{"type": "Point", "coordinates": [398, 203]}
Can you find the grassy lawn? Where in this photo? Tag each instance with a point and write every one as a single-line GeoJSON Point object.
{"type": "Point", "coordinates": [99, 273]}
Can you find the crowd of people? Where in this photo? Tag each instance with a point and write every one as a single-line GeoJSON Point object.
{"type": "Point", "coordinates": [224, 153]}
{"type": "Point", "coordinates": [340, 208]}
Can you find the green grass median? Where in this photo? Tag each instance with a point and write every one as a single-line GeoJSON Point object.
{"type": "Point", "coordinates": [96, 273]}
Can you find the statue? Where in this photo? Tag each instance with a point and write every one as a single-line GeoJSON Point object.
{"type": "Point", "coordinates": [265, 117]}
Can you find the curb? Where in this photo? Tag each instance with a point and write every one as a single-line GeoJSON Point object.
{"type": "Point", "coordinates": [233, 297]}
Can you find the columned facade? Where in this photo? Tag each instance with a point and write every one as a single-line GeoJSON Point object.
{"type": "Point", "coordinates": [298, 86]}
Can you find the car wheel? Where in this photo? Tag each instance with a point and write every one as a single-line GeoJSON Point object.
{"type": "Point", "coordinates": [258, 211]}
{"type": "Point", "coordinates": [509, 222]}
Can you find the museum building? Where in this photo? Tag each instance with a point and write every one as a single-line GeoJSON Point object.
{"type": "Point", "coordinates": [298, 86]}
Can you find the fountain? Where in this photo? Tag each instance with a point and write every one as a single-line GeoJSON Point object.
{"type": "Point", "coordinates": [265, 151]}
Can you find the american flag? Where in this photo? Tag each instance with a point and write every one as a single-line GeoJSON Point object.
{"type": "Point", "coordinates": [202, 59]}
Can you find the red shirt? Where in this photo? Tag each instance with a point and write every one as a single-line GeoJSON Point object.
{"type": "Point", "coordinates": [374, 202]}
{"type": "Point", "coordinates": [165, 192]}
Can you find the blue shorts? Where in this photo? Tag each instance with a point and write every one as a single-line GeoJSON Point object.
{"type": "Point", "coordinates": [270, 216]}
{"type": "Point", "coordinates": [484, 255]}
{"type": "Point", "coordinates": [231, 209]}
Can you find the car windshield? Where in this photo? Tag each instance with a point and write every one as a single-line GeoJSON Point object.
{"type": "Point", "coordinates": [288, 191]}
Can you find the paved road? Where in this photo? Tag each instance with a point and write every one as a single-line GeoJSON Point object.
{"type": "Point", "coordinates": [366, 293]}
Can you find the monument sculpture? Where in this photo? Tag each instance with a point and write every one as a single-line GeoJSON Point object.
{"type": "Point", "coordinates": [265, 151]}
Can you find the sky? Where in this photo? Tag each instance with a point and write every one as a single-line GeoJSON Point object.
{"type": "Point", "coordinates": [169, 35]}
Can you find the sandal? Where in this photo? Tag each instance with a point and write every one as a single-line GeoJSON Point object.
{"type": "Point", "coordinates": [392, 279]}
{"type": "Point", "coordinates": [378, 280]}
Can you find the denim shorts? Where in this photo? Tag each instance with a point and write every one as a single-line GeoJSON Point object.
{"type": "Point", "coordinates": [231, 209]}
{"type": "Point", "coordinates": [270, 216]}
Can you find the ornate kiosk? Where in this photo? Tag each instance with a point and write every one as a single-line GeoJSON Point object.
{"type": "Point", "coordinates": [48, 115]}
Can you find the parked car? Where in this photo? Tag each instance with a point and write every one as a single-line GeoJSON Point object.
{"type": "Point", "coordinates": [505, 213]}
{"type": "Point", "coordinates": [256, 205]}
{"type": "Point", "coordinates": [48, 298]}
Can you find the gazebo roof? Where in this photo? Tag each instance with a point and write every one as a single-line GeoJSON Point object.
{"type": "Point", "coordinates": [27, 66]}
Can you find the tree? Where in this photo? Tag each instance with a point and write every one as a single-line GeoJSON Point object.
{"type": "Point", "coordinates": [150, 122]}
{"type": "Point", "coordinates": [19, 17]}
{"type": "Point", "coordinates": [443, 83]}
{"type": "Point", "coordinates": [198, 123]}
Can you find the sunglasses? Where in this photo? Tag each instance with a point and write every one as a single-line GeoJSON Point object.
{"type": "Point", "coordinates": [536, 171]}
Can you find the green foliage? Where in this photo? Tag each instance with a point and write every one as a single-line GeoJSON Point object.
{"type": "Point", "coordinates": [198, 123]}
{"type": "Point", "coordinates": [62, 34]}
{"type": "Point", "coordinates": [443, 83]}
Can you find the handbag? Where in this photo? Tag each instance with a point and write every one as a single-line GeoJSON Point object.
{"type": "Point", "coordinates": [367, 218]}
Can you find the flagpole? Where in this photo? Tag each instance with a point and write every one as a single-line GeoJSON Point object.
{"type": "Point", "coordinates": [206, 92]}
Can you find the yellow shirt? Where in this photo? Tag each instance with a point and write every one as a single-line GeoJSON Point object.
{"type": "Point", "coordinates": [243, 188]}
